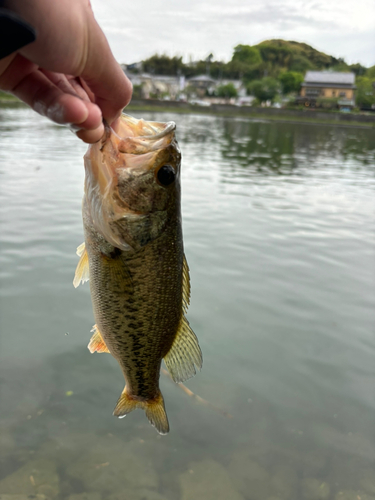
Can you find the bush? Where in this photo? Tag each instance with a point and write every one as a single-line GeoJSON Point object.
{"type": "Point", "coordinates": [291, 81]}
{"type": "Point", "coordinates": [226, 91]}
{"type": "Point", "coordinates": [365, 97]}
{"type": "Point", "coordinates": [327, 102]}
{"type": "Point", "coordinates": [265, 89]}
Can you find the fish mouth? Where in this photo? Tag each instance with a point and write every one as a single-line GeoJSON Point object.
{"type": "Point", "coordinates": [136, 137]}
{"type": "Point", "coordinates": [133, 145]}
{"type": "Point", "coordinates": [123, 147]}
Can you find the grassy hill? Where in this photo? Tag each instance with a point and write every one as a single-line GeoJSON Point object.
{"type": "Point", "coordinates": [294, 56]}
{"type": "Point", "coordinates": [268, 58]}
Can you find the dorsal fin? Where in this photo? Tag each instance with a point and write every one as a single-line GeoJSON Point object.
{"type": "Point", "coordinates": [185, 355]}
{"type": "Point", "coordinates": [82, 271]}
{"type": "Point", "coordinates": [185, 285]}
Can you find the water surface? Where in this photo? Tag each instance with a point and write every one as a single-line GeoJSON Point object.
{"type": "Point", "coordinates": [279, 234]}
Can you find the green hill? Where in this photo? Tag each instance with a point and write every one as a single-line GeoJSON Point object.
{"type": "Point", "coordinates": [268, 58]}
{"type": "Point", "coordinates": [294, 56]}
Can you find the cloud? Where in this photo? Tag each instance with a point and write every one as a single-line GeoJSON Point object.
{"type": "Point", "coordinates": [139, 29]}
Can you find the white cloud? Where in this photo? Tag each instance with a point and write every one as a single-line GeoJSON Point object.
{"type": "Point", "coordinates": [136, 30]}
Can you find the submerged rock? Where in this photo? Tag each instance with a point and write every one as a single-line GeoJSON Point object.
{"type": "Point", "coordinates": [347, 495]}
{"type": "Point", "coordinates": [365, 496]}
{"type": "Point", "coordinates": [252, 480]}
{"type": "Point", "coordinates": [112, 466]}
{"type": "Point", "coordinates": [207, 480]}
{"type": "Point", "coordinates": [35, 477]}
{"type": "Point", "coordinates": [367, 481]}
{"type": "Point", "coordinates": [85, 496]}
{"type": "Point", "coordinates": [22, 497]}
{"type": "Point", "coordinates": [284, 482]}
{"type": "Point", "coordinates": [314, 489]}
{"type": "Point", "coordinates": [313, 463]}
{"type": "Point", "coordinates": [142, 494]}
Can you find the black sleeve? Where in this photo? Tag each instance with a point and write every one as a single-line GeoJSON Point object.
{"type": "Point", "coordinates": [15, 33]}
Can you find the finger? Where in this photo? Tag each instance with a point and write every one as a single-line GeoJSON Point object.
{"type": "Point", "coordinates": [91, 136]}
{"type": "Point", "coordinates": [82, 91]}
{"type": "Point", "coordinates": [44, 97]}
{"type": "Point", "coordinates": [67, 84]}
{"type": "Point", "coordinates": [78, 47]}
{"type": "Point", "coordinates": [104, 76]}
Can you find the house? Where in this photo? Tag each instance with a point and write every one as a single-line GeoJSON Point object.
{"type": "Point", "coordinates": [319, 85]}
{"type": "Point", "coordinates": [156, 85]}
{"type": "Point", "coordinates": [201, 84]}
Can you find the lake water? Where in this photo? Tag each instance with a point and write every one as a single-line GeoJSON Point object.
{"type": "Point", "coordinates": [278, 226]}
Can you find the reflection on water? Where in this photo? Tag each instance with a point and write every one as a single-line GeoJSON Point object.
{"type": "Point", "coordinates": [278, 228]}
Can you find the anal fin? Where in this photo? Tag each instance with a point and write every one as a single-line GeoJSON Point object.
{"type": "Point", "coordinates": [82, 271]}
{"type": "Point", "coordinates": [154, 409]}
{"type": "Point", "coordinates": [97, 343]}
{"type": "Point", "coordinates": [185, 355]}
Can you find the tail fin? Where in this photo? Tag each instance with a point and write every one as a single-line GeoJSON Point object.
{"type": "Point", "coordinates": [154, 408]}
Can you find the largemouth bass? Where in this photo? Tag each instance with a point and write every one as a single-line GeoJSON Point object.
{"type": "Point", "coordinates": [134, 259]}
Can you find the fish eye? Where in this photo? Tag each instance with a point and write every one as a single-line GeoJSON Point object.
{"type": "Point", "coordinates": [166, 175]}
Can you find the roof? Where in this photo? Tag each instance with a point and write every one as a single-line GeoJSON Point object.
{"type": "Point", "coordinates": [330, 77]}
{"type": "Point", "coordinates": [201, 78]}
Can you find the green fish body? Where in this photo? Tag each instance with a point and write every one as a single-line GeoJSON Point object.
{"type": "Point", "coordinates": [134, 259]}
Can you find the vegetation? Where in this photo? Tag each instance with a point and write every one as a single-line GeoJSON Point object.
{"type": "Point", "coordinates": [365, 92]}
{"type": "Point", "coordinates": [291, 81]}
{"type": "Point", "coordinates": [226, 91]}
{"type": "Point", "coordinates": [267, 69]}
{"type": "Point", "coordinates": [163, 65]}
{"type": "Point", "coordinates": [268, 58]}
{"type": "Point", "coordinates": [265, 89]}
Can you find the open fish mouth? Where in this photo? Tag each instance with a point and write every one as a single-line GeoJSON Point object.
{"type": "Point", "coordinates": [121, 148]}
{"type": "Point", "coordinates": [133, 136]}
{"type": "Point", "coordinates": [134, 149]}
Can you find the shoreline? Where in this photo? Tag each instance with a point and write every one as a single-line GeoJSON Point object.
{"type": "Point", "coordinates": [258, 113]}
{"type": "Point", "coordinates": [251, 116]}
{"type": "Point", "coordinates": [298, 117]}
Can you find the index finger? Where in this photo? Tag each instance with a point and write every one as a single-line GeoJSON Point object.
{"type": "Point", "coordinates": [103, 75]}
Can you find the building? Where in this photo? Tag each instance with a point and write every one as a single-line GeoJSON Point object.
{"type": "Point", "coordinates": [201, 84]}
{"type": "Point", "coordinates": [156, 85]}
{"type": "Point", "coordinates": [320, 85]}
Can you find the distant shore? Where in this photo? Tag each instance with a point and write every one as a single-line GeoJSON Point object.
{"type": "Point", "coordinates": [256, 113]}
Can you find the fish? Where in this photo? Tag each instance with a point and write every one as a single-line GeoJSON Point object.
{"type": "Point", "coordinates": [133, 257]}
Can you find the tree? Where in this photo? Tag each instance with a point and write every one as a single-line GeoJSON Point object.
{"type": "Point", "coordinates": [246, 63]}
{"type": "Point", "coordinates": [163, 65]}
{"type": "Point", "coordinates": [250, 56]}
{"type": "Point", "coordinates": [365, 97]}
{"type": "Point", "coordinates": [291, 81]}
{"type": "Point", "coordinates": [227, 91]}
{"type": "Point", "coordinates": [358, 69]}
{"type": "Point", "coordinates": [301, 64]}
{"type": "Point", "coordinates": [265, 89]}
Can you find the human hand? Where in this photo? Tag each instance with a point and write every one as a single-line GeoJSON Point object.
{"type": "Point", "coordinates": [69, 73]}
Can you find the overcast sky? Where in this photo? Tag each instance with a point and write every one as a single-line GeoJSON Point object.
{"type": "Point", "coordinates": [193, 28]}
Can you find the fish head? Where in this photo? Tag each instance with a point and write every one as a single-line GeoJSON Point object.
{"type": "Point", "coordinates": [132, 184]}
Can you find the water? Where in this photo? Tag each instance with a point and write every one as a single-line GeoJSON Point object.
{"type": "Point", "coordinates": [279, 235]}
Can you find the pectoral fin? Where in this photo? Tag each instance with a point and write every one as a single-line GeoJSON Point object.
{"type": "Point", "coordinates": [82, 271]}
{"type": "Point", "coordinates": [185, 354]}
{"type": "Point", "coordinates": [97, 343]}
